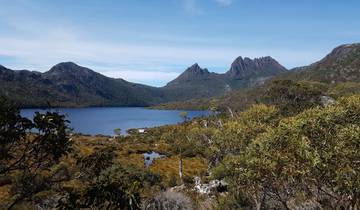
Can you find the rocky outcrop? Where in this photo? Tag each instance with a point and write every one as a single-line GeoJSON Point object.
{"type": "Point", "coordinates": [245, 68]}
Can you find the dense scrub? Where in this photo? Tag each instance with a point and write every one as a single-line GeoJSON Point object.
{"type": "Point", "coordinates": [308, 159]}
{"type": "Point", "coordinates": [294, 152]}
{"type": "Point", "coordinates": [289, 150]}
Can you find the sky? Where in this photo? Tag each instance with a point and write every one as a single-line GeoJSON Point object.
{"type": "Point", "coordinates": [153, 41]}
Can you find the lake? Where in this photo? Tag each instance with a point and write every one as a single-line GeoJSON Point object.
{"type": "Point", "coordinates": [103, 120]}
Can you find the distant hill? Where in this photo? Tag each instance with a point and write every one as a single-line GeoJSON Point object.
{"type": "Point", "coordinates": [336, 75]}
{"type": "Point", "coordinates": [67, 84]}
{"type": "Point", "coordinates": [70, 85]}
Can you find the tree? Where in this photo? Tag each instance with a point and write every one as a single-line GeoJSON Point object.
{"type": "Point", "coordinates": [25, 156]}
{"type": "Point", "coordinates": [116, 187]}
{"type": "Point", "coordinates": [292, 97]}
{"type": "Point", "coordinates": [107, 185]}
{"type": "Point", "coordinates": [184, 116]}
{"type": "Point", "coordinates": [117, 132]}
{"type": "Point", "coordinates": [313, 155]}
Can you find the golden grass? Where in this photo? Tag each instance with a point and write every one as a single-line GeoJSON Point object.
{"type": "Point", "coordinates": [131, 159]}
{"type": "Point", "coordinates": [168, 167]}
{"type": "Point", "coordinates": [5, 193]}
{"type": "Point", "coordinates": [131, 153]}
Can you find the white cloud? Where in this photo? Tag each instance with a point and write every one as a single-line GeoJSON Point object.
{"type": "Point", "coordinates": [43, 53]}
{"type": "Point", "coordinates": [40, 49]}
{"type": "Point", "coordinates": [224, 2]}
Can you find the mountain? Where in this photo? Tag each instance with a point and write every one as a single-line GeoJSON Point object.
{"type": "Point", "coordinates": [262, 67]}
{"type": "Point", "coordinates": [336, 75]}
{"type": "Point", "coordinates": [67, 84]}
{"type": "Point", "coordinates": [341, 65]}
{"type": "Point", "coordinates": [197, 82]}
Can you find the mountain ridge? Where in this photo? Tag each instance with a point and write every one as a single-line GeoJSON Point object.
{"type": "Point", "coordinates": [245, 67]}
{"type": "Point", "coordinates": [338, 72]}
{"type": "Point", "coordinates": [197, 82]}
{"type": "Point", "coordinates": [69, 84]}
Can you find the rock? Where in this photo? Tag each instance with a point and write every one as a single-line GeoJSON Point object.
{"type": "Point", "coordinates": [243, 68]}
{"type": "Point", "coordinates": [327, 100]}
{"type": "Point", "coordinates": [213, 185]}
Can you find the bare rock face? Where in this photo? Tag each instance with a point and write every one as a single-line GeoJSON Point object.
{"type": "Point", "coordinates": [245, 68]}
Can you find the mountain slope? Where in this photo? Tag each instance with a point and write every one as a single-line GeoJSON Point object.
{"type": "Point", "coordinates": [340, 65]}
{"type": "Point", "coordinates": [67, 84]}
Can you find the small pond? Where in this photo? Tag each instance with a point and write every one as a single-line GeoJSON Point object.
{"type": "Point", "coordinates": [149, 157]}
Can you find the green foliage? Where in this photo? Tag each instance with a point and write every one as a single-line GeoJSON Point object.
{"type": "Point", "coordinates": [13, 129]}
{"type": "Point", "coordinates": [93, 164]}
{"type": "Point", "coordinates": [188, 181]}
{"type": "Point", "coordinates": [345, 89]}
{"type": "Point", "coordinates": [26, 157]}
{"type": "Point", "coordinates": [237, 133]}
{"type": "Point", "coordinates": [115, 187]}
{"type": "Point", "coordinates": [314, 153]}
{"type": "Point", "coordinates": [172, 181]}
{"type": "Point", "coordinates": [117, 132]}
{"type": "Point", "coordinates": [294, 97]}
{"type": "Point", "coordinates": [184, 116]}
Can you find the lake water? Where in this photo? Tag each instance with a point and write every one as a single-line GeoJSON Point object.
{"type": "Point", "coordinates": [150, 157]}
{"type": "Point", "coordinates": [103, 120]}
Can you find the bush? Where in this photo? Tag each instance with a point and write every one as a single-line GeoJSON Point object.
{"type": "Point", "coordinates": [169, 201]}
{"type": "Point", "coordinates": [172, 181]}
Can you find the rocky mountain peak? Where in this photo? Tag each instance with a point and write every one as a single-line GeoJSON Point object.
{"type": "Point", "coordinates": [245, 67]}
{"type": "Point", "coordinates": [194, 72]}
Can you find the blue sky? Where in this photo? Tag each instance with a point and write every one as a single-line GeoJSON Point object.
{"type": "Point", "coordinates": [152, 41]}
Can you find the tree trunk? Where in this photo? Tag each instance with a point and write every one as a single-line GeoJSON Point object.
{"type": "Point", "coordinates": [231, 112]}
{"type": "Point", "coordinates": [181, 169]}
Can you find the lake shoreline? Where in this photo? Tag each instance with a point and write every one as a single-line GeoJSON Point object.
{"type": "Point", "coordinates": [105, 120]}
